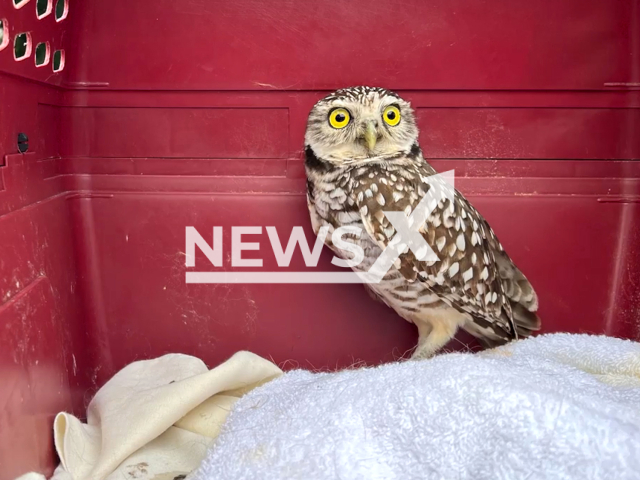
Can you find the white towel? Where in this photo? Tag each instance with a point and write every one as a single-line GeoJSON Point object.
{"type": "Point", "coordinates": [155, 418]}
{"type": "Point", "coordinates": [552, 407]}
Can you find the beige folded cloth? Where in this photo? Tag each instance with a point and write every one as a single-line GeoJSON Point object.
{"type": "Point", "coordinates": [155, 418]}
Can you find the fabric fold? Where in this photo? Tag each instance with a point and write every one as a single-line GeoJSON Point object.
{"type": "Point", "coordinates": [155, 417]}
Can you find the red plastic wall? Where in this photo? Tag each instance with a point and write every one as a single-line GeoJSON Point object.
{"type": "Point", "coordinates": [171, 114]}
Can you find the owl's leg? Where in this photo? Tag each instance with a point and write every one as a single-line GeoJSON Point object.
{"type": "Point", "coordinates": [435, 329]}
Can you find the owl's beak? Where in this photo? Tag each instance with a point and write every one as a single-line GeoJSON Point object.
{"type": "Point", "coordinates": [370, 135]}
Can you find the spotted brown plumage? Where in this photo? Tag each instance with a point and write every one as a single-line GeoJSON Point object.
{"type": "Point", "coordinates": [374, 164]}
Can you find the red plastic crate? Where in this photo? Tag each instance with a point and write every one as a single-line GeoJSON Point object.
{"type": "Point", "coordinates": [169, 114]}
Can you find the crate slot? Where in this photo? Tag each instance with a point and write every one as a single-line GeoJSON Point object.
{"type": "Point", "coordinates": [20, 3]}
{"type": "Point", "coordinates": [22, 46]}
{"type": "Point", "coordinates": [62, 10]}
{"type": "Point", "coordinates": [43, 8]}
{"type": "Point", "coordinates": [4, 33]}
{"type": "Point", "coordinates": [58, 61]}
{"type": "Point", "coordinates": [43, 54]}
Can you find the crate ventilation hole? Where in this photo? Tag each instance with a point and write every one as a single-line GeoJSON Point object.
{"type": "Point", "coordinates": [20, 3]}
{"type": "Point", "coordinates": [4, 39]}
{"type": "Point", "coordinates": [58, 60]}
{"type": "Point", "coordinates": [22, 46]}
{"type": "Point", "coordinates": [62, 10]}
{"type": "Point", "coordinates": [43, 8]}
{"type": "Point", "coordinates": [43, 54]}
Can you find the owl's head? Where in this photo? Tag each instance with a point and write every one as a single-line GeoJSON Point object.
{"type": "Point", "coordinates": [360, 123]}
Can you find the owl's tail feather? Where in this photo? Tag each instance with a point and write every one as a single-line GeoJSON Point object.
{"type": "Point", "coordinates": [521, 295]}
{"type": "Point", "coordinates": [526, 321]}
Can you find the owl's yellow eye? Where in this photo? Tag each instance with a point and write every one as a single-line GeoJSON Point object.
{"type": "Point", "coordinates": [391, 115]}
{"type": "Point", "coordinates": [339, 118]}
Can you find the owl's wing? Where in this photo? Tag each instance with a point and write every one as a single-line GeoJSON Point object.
{"type": "Point", "coordinates": [466, 275]}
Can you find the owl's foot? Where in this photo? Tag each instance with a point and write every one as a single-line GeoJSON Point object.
{"type": "Point", "coordinates": [435, 331]}
{"type": "Point", "coordinates": [421, 354]}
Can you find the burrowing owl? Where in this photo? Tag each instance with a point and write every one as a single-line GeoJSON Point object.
{"type": "Point", "coordinates": [363, 158]}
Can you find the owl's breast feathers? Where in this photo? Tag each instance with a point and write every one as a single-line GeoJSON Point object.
{"type": "Point", "coordinates": [473, 273]}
